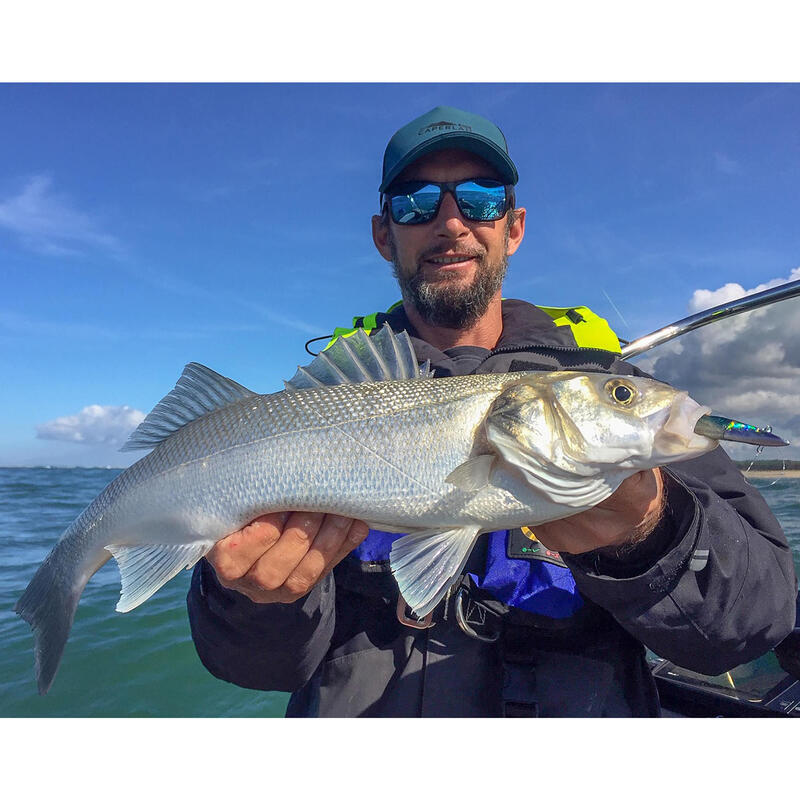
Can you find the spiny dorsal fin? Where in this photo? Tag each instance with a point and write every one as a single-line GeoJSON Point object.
{"type": "Point", "coordinates": [198, 391]}
{"type": "Point", "coordinates": [361, 358]}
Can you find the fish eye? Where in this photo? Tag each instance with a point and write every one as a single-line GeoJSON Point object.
{"type": "Point", "coordinates": [621, 391]}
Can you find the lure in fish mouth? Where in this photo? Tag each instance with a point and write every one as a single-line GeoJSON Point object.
{"type": "Point", "coordinates": [729, 430]}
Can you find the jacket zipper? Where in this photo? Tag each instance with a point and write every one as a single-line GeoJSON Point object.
{"type": "Point", "coordinates": [550, 348]}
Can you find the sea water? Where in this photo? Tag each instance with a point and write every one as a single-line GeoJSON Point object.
{"type": "Point", "coordinates": [142, 663]}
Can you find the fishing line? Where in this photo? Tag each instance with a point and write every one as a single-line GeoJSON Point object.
{"type": "Point", "coordinates": [759, 451]}
{"type": "Point", "coordinates": [619, 313]}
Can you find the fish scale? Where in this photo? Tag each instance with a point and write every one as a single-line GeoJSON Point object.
{"type": "Point", "coordinates": [315, 450]}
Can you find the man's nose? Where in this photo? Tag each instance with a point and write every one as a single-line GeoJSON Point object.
{"type": "Point", "coordinates": [449, 221]}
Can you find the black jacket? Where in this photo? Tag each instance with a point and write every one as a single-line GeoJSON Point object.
{"type": "Point", "coordinates": [342, 652]}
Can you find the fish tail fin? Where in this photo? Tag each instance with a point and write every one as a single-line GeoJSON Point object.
{"type": "Point", "coordinates": [48, 605]}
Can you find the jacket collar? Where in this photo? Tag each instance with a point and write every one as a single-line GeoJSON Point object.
{"type": "Point", "coordinates": [524, 325]}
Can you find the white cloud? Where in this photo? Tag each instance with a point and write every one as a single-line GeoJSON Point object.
{"type": "Point", "coordinates": [746, 367]}
{"type": "Point", "coordinates": [50, 224]}
{"type": "Point", "coordinates": [703, 298]}
{"type": "Point", "coordinates": [110, 425]}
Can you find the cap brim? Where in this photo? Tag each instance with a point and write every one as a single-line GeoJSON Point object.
{"type": "Point", "coordinates": [458, 140]}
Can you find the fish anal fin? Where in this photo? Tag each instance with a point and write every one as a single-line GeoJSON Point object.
{"type": "Point", "coordinates": [144, 569]}
{"type": "Point", "coordinates": [425, 564]}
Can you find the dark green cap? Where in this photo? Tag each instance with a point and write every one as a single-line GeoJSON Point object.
{"type": "Point", "coordinates": [445, 128]}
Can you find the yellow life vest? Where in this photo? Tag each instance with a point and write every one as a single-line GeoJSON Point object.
{"type": "Point", "coordinates": [589, 329]}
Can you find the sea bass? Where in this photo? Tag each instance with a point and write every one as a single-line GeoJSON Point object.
{"type": "Point", "coordinates": [364, 432]}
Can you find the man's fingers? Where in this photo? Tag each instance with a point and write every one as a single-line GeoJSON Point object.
{"type": "Point", "coordinates": [358, 532]}
{"type": "Point", "coordinates": [280, 557]}
{"type": "Point", "coordinates": [271, 570]}
{"type": "Point", "coordinates": [625, 517]}
{"type": "Point", "coordinates": [637, 488]}
{"type": "Point", "coordinates": [233, 556]}
{"type": "Point", "coordinates": [336, 538]}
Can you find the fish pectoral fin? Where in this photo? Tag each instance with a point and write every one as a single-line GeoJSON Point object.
{"type": "Point", "coordinates": [472, 475]}
{"type": "Point", "coordinates": [144, 569]}
{"type": "Point", "coordinates": [425, 564]}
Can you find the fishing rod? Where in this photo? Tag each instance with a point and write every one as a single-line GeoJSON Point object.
{"type": "Point", "coordinates": [722, 311]}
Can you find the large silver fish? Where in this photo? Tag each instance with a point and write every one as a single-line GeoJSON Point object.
{"type": "Point", "coordinates": [443, 460]}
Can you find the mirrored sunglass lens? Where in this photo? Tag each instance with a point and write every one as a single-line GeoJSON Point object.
{"type": "Point", "coordinates": [479, 201]}
{"type": "Point", "coordinates": [415, 206]}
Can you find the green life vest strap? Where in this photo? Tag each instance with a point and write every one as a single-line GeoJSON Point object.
{"type": "Point", "coordinates": [368, 323]}
{"type": "Point", "coordinates": [589, 329]}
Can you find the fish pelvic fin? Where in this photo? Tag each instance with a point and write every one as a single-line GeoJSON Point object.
{"type": "Point", "coordinates": [360, 358]}
{"type": "Point", "coordinates": [198, 391]}
{"type": "Point", "coordinates": [425, 564]}
{"type": "Point", "coordinates": [145, 569]}
{"type": "Point", "coordinates": [48, 605]}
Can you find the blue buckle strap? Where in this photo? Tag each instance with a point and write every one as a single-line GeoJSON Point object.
{"type": "Point", "coordinates": [531, 582]}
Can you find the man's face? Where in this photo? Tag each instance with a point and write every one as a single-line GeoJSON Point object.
{"type": "Point", "coordinates": [450, 269]}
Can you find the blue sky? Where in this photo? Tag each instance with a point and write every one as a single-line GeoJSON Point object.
{"type": "Point", "coordinates": [143, 226]}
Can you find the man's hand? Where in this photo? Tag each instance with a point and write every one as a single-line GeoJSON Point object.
{"type": "Point", "coordinates": [279, 558]}
{"type": "Point", "coordinates": [624, 518]}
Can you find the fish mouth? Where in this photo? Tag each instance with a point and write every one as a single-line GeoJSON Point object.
{"type": "Point", "coordinates": [677, 435]}
{"type": "Point", "coordinates": [730, 430]}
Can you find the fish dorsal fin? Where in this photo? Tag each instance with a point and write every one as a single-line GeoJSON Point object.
{"type": "Point", "coordinates": [198, 391]}
{"type": "Point", "coordinates": [360, 358]}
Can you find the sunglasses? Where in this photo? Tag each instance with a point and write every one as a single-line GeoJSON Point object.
{"type": "Point", "coordinates": [478, 200]}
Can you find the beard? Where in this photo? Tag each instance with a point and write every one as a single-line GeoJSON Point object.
{"type": "Point", "coordinates": [445, 302]}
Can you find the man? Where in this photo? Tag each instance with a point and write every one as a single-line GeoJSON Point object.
{"type": "Point", "coordinates": [688, 560]}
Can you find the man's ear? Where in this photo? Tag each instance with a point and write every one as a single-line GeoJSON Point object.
{"type": "Point", "coordinates": [516, 232]}
{"type": "Point", "coordinates": [380, 235]}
